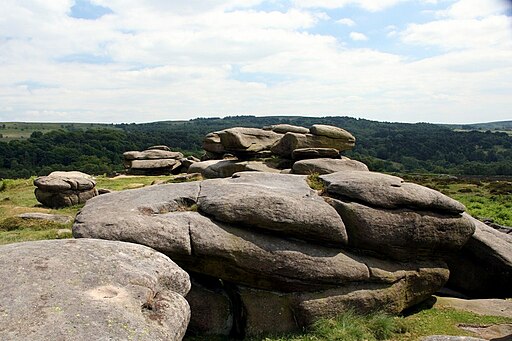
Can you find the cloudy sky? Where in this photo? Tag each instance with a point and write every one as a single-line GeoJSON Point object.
{"type": "Point", "coordinates": [148, 60]}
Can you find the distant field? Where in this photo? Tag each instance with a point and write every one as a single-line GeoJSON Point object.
{"type": "Point", "coordinates": [22, 130]}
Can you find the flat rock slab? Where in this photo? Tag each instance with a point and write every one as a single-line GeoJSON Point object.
{"type": "Point", "coordinates": [152, 154]}
{"type": "Point", "coordinates": [287, 128]}
{"type": "Point", "coordinates": [332, 132]}
{"type": "Point", "coordinates": [327, 166]}
{"type": "Point", "coordinates": [292, 141]}
{"type": "Point", "coordinates": [63, 181]}
{"type": "Point", "coordinates": [491, 306]}
{"type": "Point", "coordinates": [387, 191]}
{"type": "Point", "coordinates": [73, 289]}
{"type": "Point", "coordinates": [61, 219]}
{"type": "Point", "coordinates": [315, 153]}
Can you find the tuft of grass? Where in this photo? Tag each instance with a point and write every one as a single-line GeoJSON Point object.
{"type": "Point", "coordinates": [316, 183]}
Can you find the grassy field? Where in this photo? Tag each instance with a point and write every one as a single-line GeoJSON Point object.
{"type": "Point", "coordinates": [483, 198]}
{"type": "Point", "coordinates": [22, 130]}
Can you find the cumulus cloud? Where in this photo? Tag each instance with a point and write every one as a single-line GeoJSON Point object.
{"type": "Point", "coordinates": [358, 36]}
{"type": "Point", "coordinates": [346, 22]}
{"type": "Point", "coordinates": [154, 60]}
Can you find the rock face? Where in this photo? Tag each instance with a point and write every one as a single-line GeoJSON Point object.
{"type": "Point", "coordinates": [61, 189]}
{"type": "Point", "coordinates": [72, 289]}
{"type": "Point", "coordinates": [327, 166]}
{"type": "Point", "coordinates": [242, 142]}
{"type": "Point", "coordinates": [284, 254]}
{"type": "Point", "coordinates": [153, 161]}
{"type": "Point", "coordinates": [483, 267]}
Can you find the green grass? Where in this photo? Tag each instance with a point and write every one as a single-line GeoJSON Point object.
{"type": "Point", "coordinates": [378, 326]}
{"type": "Point", "coordinates": [315, 182]}
{"type": "Point", "coordinates": [17, 197]}
{"type": "Point", "coordinates": [483, 198]}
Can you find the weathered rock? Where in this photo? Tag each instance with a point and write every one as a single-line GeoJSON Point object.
{"type": "Point", "coordinates": [491, 307]}
{"type": "Point", "coordinates": [212, 144]}
{"type": "Point", "coordinates": [61, 189]}
{"type": "Point", "coordinates": [57, 218]}
{"type": "Point", "coordinates": [327, 166]}
{"type": "Point", "coordinates": [248, 230]}
{"type": "Point", "coordinates": [492, 332]}
{"type": "Point", "coordinates": [211, 308]}
{"type": "Point", "coordinates": [62, 181]}
{"type": "Point", "coordinates": [155, 163]}
{"type": "Point", "coordinates": [315, 153]}
{"type": "Point", "coordinates": [261, 207]}
{"type": "Point", "coordinates": [160, 147]}
{"type": "Point", "coordinates": [287, 128]}
{"type": "Point", "coordinates": [483, 268]}
{"type": "Point", "coordinates": [403, 233]}
{"type": "Point", "coordinates": [186, 178]}
{"type": "Point", "coordinates": [291, 141]}
{"type": "Point", "coordinates": [387, 191]}
{"type": "Point", "coordinates": [247, 139]}
{"type": "Point", "coordinates": [73, 289]}
{"type": "Point", "coordinates": [152, 154]}
{"type": "Point", "coordinates": [214, 169]}
{"type": "Point", "coordinates": [332, 132]}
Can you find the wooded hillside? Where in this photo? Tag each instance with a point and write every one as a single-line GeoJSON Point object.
{"type": "Point", "coordinates": [390, 147]}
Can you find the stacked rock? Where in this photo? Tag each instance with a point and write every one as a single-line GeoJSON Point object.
{"type": "Point", "coordinates": [156, 160]}
{"type": "Point", "coordinates": [267, 253]}
{"type": "Point", "coordinates": [277, 148]}
{"type": "Point", "coordinates": [61, 189]}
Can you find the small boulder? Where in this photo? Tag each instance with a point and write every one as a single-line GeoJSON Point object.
{"type": "Point", "coordinates": [57, 218]}
{"type": "Point", "coordinates": [61, 189]}
{"type": "Point", "coordinates": [331, 131]}
{"type": "Point", "coordinates": [287, 128]}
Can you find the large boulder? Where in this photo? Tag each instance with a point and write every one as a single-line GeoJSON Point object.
{"type": "Point", "coordinates": [242, 142]}
{"type": "Point", "coordinates": [153, 161]}
{"type": "Point", "coordinates": [327, 166]}
{"type": "Point", "coordinates": [152, 154]}
{"type": "Point", "coordinates": [483, 268]}
{"type": "Point", "coordinates": [213, 169]}
{"type": "Point", "coordinates": [291, 141]}
{"type": "Point", "coordinates": [76, 289]}
{"type": "Point", "coordinates": [276, 246]}
{"type": "Point", "coordinates": [61, 189]}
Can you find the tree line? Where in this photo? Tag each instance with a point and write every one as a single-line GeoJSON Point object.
{"type": "Point", "coordinates": [389, 147]}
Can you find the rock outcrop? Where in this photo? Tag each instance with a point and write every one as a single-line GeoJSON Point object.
{"type": "Point", "coordinates": [270, 254]}
{"type": "Point", "coordinates": [83, 289]}
{"type": "Point", "coordinates": [154, 161]}
{"type": "Point", "coordinates": [483, 267]}
{"type": "Point", "coordinates": [61, 189]}
{"type": "Point", "coordinates": [276, 149]}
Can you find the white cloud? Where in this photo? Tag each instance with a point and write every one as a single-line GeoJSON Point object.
{"type": "Point", "coordinates": [358, 36]}
{"type": "Point", "coordinates": [346, 22]}
{"type": "Point", "coordinates": [177, 60]}
{"type": "Point", "coordinates": [469, 9]}
{"type": "Point", "coordinates": [370, 5]}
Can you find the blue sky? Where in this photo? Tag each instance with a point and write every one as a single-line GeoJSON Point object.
{"type": "Point", "coordinates": [147, 60]}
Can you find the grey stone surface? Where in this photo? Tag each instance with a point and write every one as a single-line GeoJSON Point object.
{"type": "Point", "coordinates": [303, 215]}
{"type": "Point", "coordinates": [327, 166]}
{"type": "Point", "coordinates": [240, 141]}
{"type": "Point", "coordinates": [212, 144]}
{"type": "Point", "coordinates": [288, 128]}
{"type": "Point", "coordinates": [78, 289]}
{"type": "Point", "coordinates": [61, 189]}
{"type": "Point", "coordinates": [154, 163]}
{"type": "Point", "coordinates": [291, 141]}
{"type": "Point", "coordinates": [315, 153]}
{"type": "Point", "coordinates": [331, 131]}
{"type": "Point", "coordinates": [483, 268]}
{"type": "Point", "coordinates": [152, 154]}
{"type": "Point", "coordinates": [387, 191]}
{"type": "Point", "coordinates": [403, 233]}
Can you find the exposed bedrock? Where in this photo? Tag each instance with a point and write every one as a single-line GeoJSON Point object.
{"type": "Point", "coordinates": [73, 289]}
{"type": "Point", "coordinates": [281, 247]}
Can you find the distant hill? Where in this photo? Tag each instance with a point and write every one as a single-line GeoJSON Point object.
{"type": "Point", "coordinates": [499, 126]}
{"type": "Point", "coordinates": [22, 130]}
{"type": "Point", "coordinates": [383, 146]}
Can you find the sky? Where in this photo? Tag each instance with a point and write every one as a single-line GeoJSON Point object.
{"type": "Point", "coordinates": [114, 61]}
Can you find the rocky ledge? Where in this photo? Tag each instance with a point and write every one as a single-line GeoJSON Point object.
{"type": "Point", "coordinates": [267, 253]}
